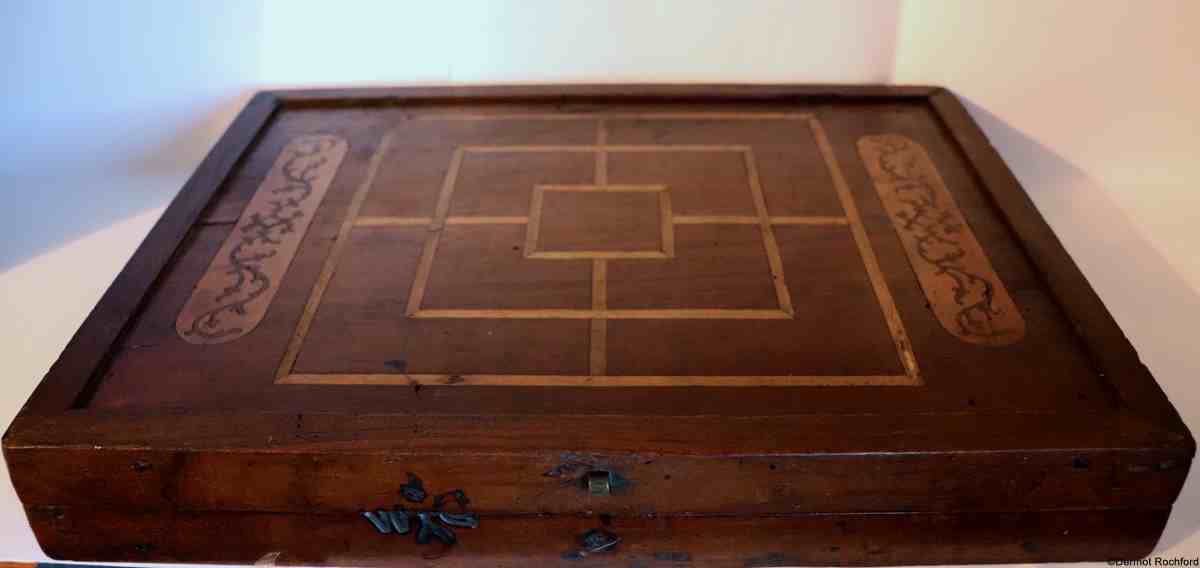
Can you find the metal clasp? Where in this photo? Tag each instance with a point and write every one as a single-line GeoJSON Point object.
{"type": "Point", "coordinates": [599, 482]}
{"type": "Point", "coordinates": [595, 541]}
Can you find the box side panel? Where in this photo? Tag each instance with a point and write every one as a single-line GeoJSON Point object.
{"type": "Point", "coordinates": [344, 540]}
{"type": "Point", "coordinates": [557, 482]}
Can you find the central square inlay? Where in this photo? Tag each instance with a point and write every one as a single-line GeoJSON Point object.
{"type": "Point", "coordinates": [593, 221]}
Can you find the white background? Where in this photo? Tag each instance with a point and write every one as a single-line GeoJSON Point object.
{"type": "Point", "coordinates": [106, 107]}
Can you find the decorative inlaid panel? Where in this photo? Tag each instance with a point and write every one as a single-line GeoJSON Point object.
{"type": "Point", "coordinates": [964, 291]}
{"type": "Point", "coordinates": [233, 295]}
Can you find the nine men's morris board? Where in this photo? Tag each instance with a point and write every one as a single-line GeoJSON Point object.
{"type": "Point", "coordinates": [618, 325]}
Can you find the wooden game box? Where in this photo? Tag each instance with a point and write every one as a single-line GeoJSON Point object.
{"type": "Point", "coordinates": [631, 326]}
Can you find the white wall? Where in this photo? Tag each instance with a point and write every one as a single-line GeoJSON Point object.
{"type": "Point", "coordinates": [106, 107]}
{"type": "Point", "coordinates": [554, 41]}
{"type": "Point", "coordinates": [1111, 87]}
{"type": "Point", "coordinates": [1093, 105]}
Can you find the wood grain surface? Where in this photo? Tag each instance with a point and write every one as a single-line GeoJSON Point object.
{"type": "Point", "coordinates": [602, 221]}
{"type": "Point", "coordinates": [655, 543]}
{"type": "Point", "coordinates": [700, 290]}
{"type": "Point", "coordinates": [818, 246]}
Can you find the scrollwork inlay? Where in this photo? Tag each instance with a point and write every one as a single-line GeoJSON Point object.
{"type": "Point", "coordinates": [232, 296]}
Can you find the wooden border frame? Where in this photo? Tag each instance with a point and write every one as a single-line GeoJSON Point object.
{"type": "Point", "coordinates": [56, 415]}
{"type": "Point", "coordinates": [70, 382]}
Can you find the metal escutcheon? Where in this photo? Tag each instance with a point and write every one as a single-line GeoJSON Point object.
{"type": "Point", "coordinates": [599, 482]}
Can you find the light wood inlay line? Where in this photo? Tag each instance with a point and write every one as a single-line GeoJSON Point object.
{"type": "Point", "coordinates": [599, 285]}
{"type": "Point", "coordinates": [331, 261]}
{"type": "Point", "coordinates": [601, 154]}
{"type": "Point", "coordinates": [443, 204]}
{"type": "Point", "coordinates": [668, 220]}
{"type": "Point", "coordinates": [484, 220]}
{"type": "Point", "coordinates": [393, 221]}
{"type": "Point", "coordinates": [424, 267]}
{"type": "Point", "coordinates": [515, 148]}
{"type": "Point", "coordinates": [715, 220]}
{"type": "Point", "coordinates": [598, 345]}
{"type": "Point", "coordinates": [599, 342]}
{"type": "Point", "coordinates": [535, 221]}
{"type": "Point", "coordinates": [774, 260]}
{"type": "Point", "coordinates": [600, 381]}
{"type": "Point", "coordinates": [584, 188]}
{"type": "Point", "coordinates": [426, 221]}
{"type": "Point", "coordinates": [594, 254]}
{"type": "Point", "coordinates": [622, 116]}
{"type": "Point", "coordinates": [715, 313]}
{"type": "Point", "coordinates": [809, 221]}
{"type": "Point", "coordinates": [521, 220]}
{"type": "Point", "coordinates": [886, 302]}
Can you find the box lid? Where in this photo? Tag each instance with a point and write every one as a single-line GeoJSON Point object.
{"type": "Point", "coordinates": [612, 300]}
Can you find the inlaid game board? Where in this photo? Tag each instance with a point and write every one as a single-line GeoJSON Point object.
{"type": "Point", "coordinates": [600, 326]}
{"type": "Point", "coordinates": [655, 229]}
